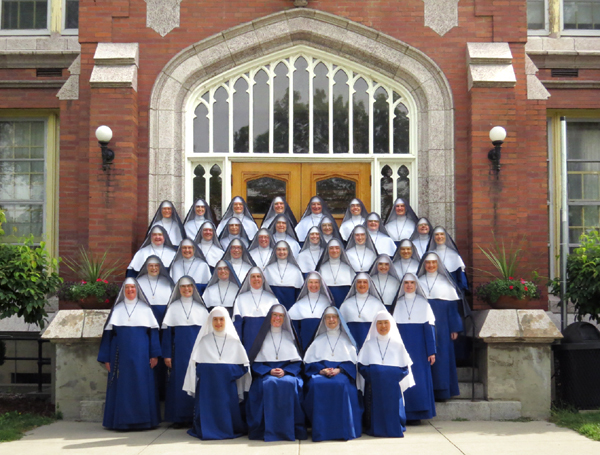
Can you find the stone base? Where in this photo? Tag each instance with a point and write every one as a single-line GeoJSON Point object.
{"type": "Point", "coordinates": [91, 411]}
{"type": "Point", "coordinates": [477, 410]}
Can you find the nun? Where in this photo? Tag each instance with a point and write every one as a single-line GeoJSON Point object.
{"type": "Point", "coordinates": [239, 209]}
{"type": "Point", "coordinates": [356, 214]}
{"type": "Point", "coordinates": [281, 229]}
{"type": "Point", "coordinates": [185, 316]}
{"type": "Point", "coordinates": [336, 270]}
{"type": "Point", "coordinates": [240, 260]}
{"type": "Point", "coordinates": [416, 323]}
{"type": "Point", "coordinates": [421, 236]}
{"type": "Point", "coordinates": [314, 213]}
{"type": "Point", "coordinates": [217, 377]}
{"type": "Point", "coordinates": [274, 406]}
{"type": "Point", "coordinates": [406, 259]}
{"type": "Point", "coordinates": [157, 243]}
{"type": "Point", "coordinates": [385, 374]}
{"type": "Point", "coordinates": [261, 248]}
{"type": "Point", "coordinates": [360, 250]}
{"type": "Point", "coordinates": [444, 298]}
{"type": "Point", "coordinates": [167, 217]}
{"type": "Point", "coordinates": [189, 261]}
{"type": "Point", "coordinates": [157, 286]}
{"type": "Point", "coordinates": [360, 307]}
{"type": "Point", "coordinates": [279, 206]}
{"type": "Point", "coordinates": [222, 288]}
{"type": "Point", "coordinates": [381, 239]}
{"type": "Point", "coordinates": [283, 275]}
{"type": "Point", "coordinates": [402, 220]}
{"type": "Point", "coordinates": [306, 313]}
{"type": "Point", "coordinates": [332, 404]}
{"type": "Point", "coordinates": [311, 251]}
{"type": "Point", "coordinates": [442, 243]}
{"type": "Point", "coordinates": [209, 244]}
{"type": "Point", "coordinates": [385, 279]}
{"type": "Point", "coordinates": [252, 303]}
{"type": "Point", "coordinates": [329, 230]}
{"type": "Point", "coordinates": [129, 350]}
{"type": "Point", "coordinates": [195, 218]}
{"type": "Point", "coordinates": [235, 230]}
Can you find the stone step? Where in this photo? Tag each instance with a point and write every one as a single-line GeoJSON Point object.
{"type": "Point", "coordinates": [464, 374]}
{"type": "Point", "coordinates": [466, 391]}
{"type": "Point", "coordinates": [458, 409]}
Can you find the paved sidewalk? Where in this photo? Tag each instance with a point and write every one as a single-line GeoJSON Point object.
{"type": "Point", "coordinates": [439, 438]}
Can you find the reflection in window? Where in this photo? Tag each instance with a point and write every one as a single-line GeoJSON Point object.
{"type": "Point", "coordinates": [381, 122]}
{"type": "Point", "coordinates": [360, 115]}
{"type": "Point", "coordinates": [72, 14]}
{"type": "Point", "coordinates": [401, 125]}
{"type": "Point", "coordinates": [260, 107]}
{"type": "Point", "coordinates": [201, 128]}
{"type": "Point", "coordinates": [281, 110]}
{"type": "Point", "coordinates": [340, 112]}
{"type": "Point", "coordinates": [199, 182]}
{"type": "Point", "coordinates": [24, 14]}
{"type": "Point", "coordinates": [536, 15]}
{"type": "Point", "coordinates": [321, 110]}
{"type": "Point", "coordinates": [301, 117]}
{"type": "Point", "coordinates": [403, 184]}
{"type": "Point", "coordinates": [261, 191]}
{"type": "Point", "coordinates": [221, 122]}
{"type": "Point", "coordinates": [241, 116]}
{"type": "Point", "coordinates": [387, 190]}
{"type": "Point", "coordinates": [216, 185]}
{"type": "Point", "coordinates": [581, 14]}
{"type": "Point", "coordinates": [338, 192]}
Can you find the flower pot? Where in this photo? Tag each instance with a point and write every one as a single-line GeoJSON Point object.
{"type": "Point", "coordinates": [507, 302]}
{"type": "Point", "coordinates": [88, 303]}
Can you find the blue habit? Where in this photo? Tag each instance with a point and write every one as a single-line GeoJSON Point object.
{"type": "Point", "coordinates": [359, 331]}
{"type": "Point", "coordinates": [247, 329]}
{"type": "Point", "coordinates": [339, 294]}
{"type": "Point", "coordinates": [286, 295]}
{"type": "Point", "coordinates": [460, 278]}
{"type": "Point", "coordinates": [332, 404]}
{"type": "Point", "coordinates": [274, 406]}
{"type": "Point", "coordinates": [305, 329]}
{"type": "Point", "coordinates": [447, 320]}
{"type": "Point", "coordinates": [419, 341]}
{"type": "Point", "coordinates": [217, 414]}
{"type": "Point", "coordinates": [177, 344]}
{"type": "Point", "coordinates": [384, 409]}
{"type": "Point", "coordinates": [159, 312]}
{"type": "Point", "coordinates": [131, 396]}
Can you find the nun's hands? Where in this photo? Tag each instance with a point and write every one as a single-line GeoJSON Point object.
{"type": "Point", "coordinates": [454, 335]}
{"type": "Point", "coordinates": [153, 362]}
{"type": "Point", "coordinates": [107, 365]}
{"type": "Point", "coordinates": [168, 363]}
{"type": "Point", "coordinates": [431, 359]}
{"type": "Point", "coordinates": [277, 372]}
{"type": "Point", "coordinates": [329, 372]}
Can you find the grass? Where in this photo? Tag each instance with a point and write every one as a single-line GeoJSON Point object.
{"type": "Point", "coordinates": [585, 423]}
{"type": "Point", "coordinates": [14, 424]}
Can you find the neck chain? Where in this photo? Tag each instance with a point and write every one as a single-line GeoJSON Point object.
{"type": "Point", "coordinates": [127, 311]}
{"type": "Point", "coordinates": [217, 345]}
{"type": "Point", "coordinates": [313, 308]}
{"type": "Point", "coordinates": [412, 306]}
{"type": "Point", "coordinates": [313, 256]}
{"type": "Point", "coordinates": [429, 288]}
{"type": "Point", "coordinates": [162, 250]}
{"type": "Point", "coordinates": [398, 230]}
{"type": "Point", "coordinates": [386, 348]}
{"type": "Point", "coordinates": [279, 270]}
{"type": "Point", "coordinates": [338, 271]}
{"type": "Point", "coordinates": [150, 284]}
{"type": "Point", "coordinates": [277, 349]}
{"type": "Point", "coordinates": [207, 251]}
{"type": "Point", "coordinates": [187, 313]}
{"type": "Point", "coordinates": [190, 268]}
{"type": "Point", "coordinates": [387, 277]}
{"type": "Point", "coordinates": [261, 296]}
{"type": "Point", "coordinates": [363, 257]}
{"type": "Point", "coordinates": [336, 343]}
{"type": "Point", "coordinates": [222, 298]}
{"type": "Point", "coordinates": [262, 260]}
{"type": "Point", "coordinates": [360, 310]}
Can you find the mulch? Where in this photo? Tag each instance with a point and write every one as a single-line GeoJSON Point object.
{"type": "Point", "coordinates": [25, 404]}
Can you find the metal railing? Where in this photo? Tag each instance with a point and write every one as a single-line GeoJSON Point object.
{"type": "Point", "coordinates": [41, 361]}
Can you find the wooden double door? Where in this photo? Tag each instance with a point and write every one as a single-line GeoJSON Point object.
{"type": "Point", "coordinates": [336, 183]}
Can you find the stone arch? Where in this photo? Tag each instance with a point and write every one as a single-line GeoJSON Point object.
{"type": "Point", "coordinates": [333, 34]}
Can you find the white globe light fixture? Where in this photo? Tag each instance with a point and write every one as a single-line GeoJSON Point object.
{"type": "Point", "coordinates": [104, 135]}
{"type": "Point", "coordinates": [497, 136]}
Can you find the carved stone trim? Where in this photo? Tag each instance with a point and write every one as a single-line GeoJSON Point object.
{"type": "Point", "coordinates": [162, 16]}
{"type": "Point", "coordinates": [490, 65]}
{"type": "Point", "coordinates": [441, 15]}
{"type": "Point", "coordinates": [116, 65]}
{"type": "Point", "coordinates": [70, 89]}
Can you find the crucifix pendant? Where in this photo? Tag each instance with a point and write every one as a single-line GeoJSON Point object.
{"type": "Point", "coordinates": [276, 357]}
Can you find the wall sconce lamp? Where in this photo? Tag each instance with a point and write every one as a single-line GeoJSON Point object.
{"type": "Point", "coordinates": [497, 136]}
{"type": "Point", "coordinates": [104, 135]}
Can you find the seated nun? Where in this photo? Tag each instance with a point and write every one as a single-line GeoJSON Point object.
{"type": "Point", "coordinates": [222, 288]}
{"type": "Point", "coordinates": [384, 367]}
{"type": "Point", "coordinates": [209, 244]}
{"type": "Point", "coordinates": [235, 230]}
{"type": "Point", "coordinates": [279, 206]}
{"type": "Point", "coordinates": [444, 297]}
{"type": "Point", "coordinates": [331, 403]}
{"type": "Point", "coordinates": [314, 213]}
{"type": "Point", "coordinates": [283, 275]}
{"type": "Point", "coordinates": [157, 286]}
{"type": "Point", "coordinates": [217, 377]}
{"type": "Point", "coordinates": [167, 217]}
{"type": "Point", "coordinates": [356, 214]}
{"type": "Point", "coordinates": [306, 313]}
{"type": "Point", "coordinates": [336, 271]}
{"type": "Point", "coordinates": [157, 243]}
{"type": "Point", "coordinates": [381, 239]}
{"type": "Point", "coordinates": [421, 236]}
{"type": "Point", "coordinates": [282, 230]}
{"type": "Point", "coordinates": [311, 251]}
{"type": "Point", "coordinates": [329, 230]}
{"type": "Point", "coordinates": [185, 316]}
{"type": "Point", "coordinates": [274, 406]}
{"type": "Point", "coordinates": [416, 323]}
{"type": "Point", "coordinates": [252, 303]}
{"type": "Point", "coordinates": [385, 279]}
{"type": "Point", "coordinates": [442, 243]}
{"type": "Point", "coordinates": [131, 399]}
{"type": "Point", "coordinates": [406, 260]}
{"type": "Point", "coordinates": [402, 220]}
{"type": "Point", "coordinates": [195, 218]}
{"type": "Point", "coordinates": [239, 209]}
{"type": "Point", "coordinates": [360, 307]}
{"type": "Point", "coordinates": [240, 260]}
{"type": "Point", "coordinates": [360, 250]}
{"type": "Point", "coordinates": [190, 261]}
{"type": "Point", "coordinates": [262, 247]}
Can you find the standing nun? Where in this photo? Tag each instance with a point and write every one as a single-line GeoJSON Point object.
{"type": "Point", "coordinates": [306, 313]}
{"type": "Point", "coordinates": [167, 217]}
{"type": "Point", "coordinates": [240, 260]}
{"type": "Point", "coordinates": [384, 367]}
{"type": "Point", "coordinates": [235, 230]}
{"type": "Point", "coordinates": [279, 206]}
{"type": "Point", "coordinates": [329, 230]}
{"type": "Point", "coordinates": [360, 307]}
{"type": "Point", "coordinates": [421, 236]}
{"type": "Point", "coordinates": [195, 218]}
{"type": "Point", "coordinates": [402, 220]}
{"type": "Point", "coordinates": [218, 374]}
{"type": "Point", "coordinates": [190, 261]}
{"type": "Point", "coordinates": [444, 298]}
{"type": "Point", "coordinates": [314, 213]}
{"type": "Point", "coordinates": [406, 260]}
{"type": "Point", "coordinates": [442, 243]}
{"type": "Point", "coordinates": [262, 247]}
{"type": "Point", "coordinates": [185, 316]}
{"type": "Point", "coordinates": [209, 243]}
{"type": "Point", "coordinates": [336, 270]}
{"type": "Point", "coordinates": [283, 275]}
{"type": "Point", "coordinates": [129, 350]}
{"type": "Point", "coordinates": [157, 243]}
{"type": "Point", "coordinates": [222, 288]}
{"type": "Point", "coordinates": [331, 403]}
{"type": "Point", "coordinates": [239, 209]}
{"type": "Point", "coordinates": [360, 250]}
{"type": "Point", "coordinates": [281, 229]}
{"type": "Point", "coordinates": [385, 279]}
{"type": "Point", "coordinates": [355, 215]}
{"type": "Point", "coordinates": [383, 243]}
{"type": "Point", "coordinates": [416, 324]}
{"type": "Point", "coordinates": [252, 303]}
{"type": "Point", "coordinates": [157, 285]}
{"type": "Point", "coordinates": [311, 251]}
{"type": "Point", "coordinates": [274, 406]}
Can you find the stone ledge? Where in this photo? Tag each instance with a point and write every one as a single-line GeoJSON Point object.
{"type": "Point", "coordinates": [490, 65]}
{"type": "Point", "coordinates": [117, 54]}
{"type": "Point", "coordinates": [76, 325]}
{"type": "Point", "coordinates": [477, 410]}
{"type": "Point", "coordinates": [515, 326]}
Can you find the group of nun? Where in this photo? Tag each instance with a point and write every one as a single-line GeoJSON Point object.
{"type": "Point", "coordinates": [269, 331]}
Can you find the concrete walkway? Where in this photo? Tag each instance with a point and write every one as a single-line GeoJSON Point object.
{"type": "Point", "coordinates": [439, 438]}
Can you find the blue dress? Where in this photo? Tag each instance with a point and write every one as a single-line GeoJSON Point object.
{"type": "Point", "coordinates": [286, 295]}
{"type": "Point", "coordinates": [247, 328]}
{"type": "Point", "coordinates": [131, 395]}
{"type": "Point", "coordinates": [359, 331]}
{"type": "Point", "coordinates": [332, 404]}
{"type": "Point", "coordinates": [306, 328]}
{"type": "Point", "coordinates": [339, 294]}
